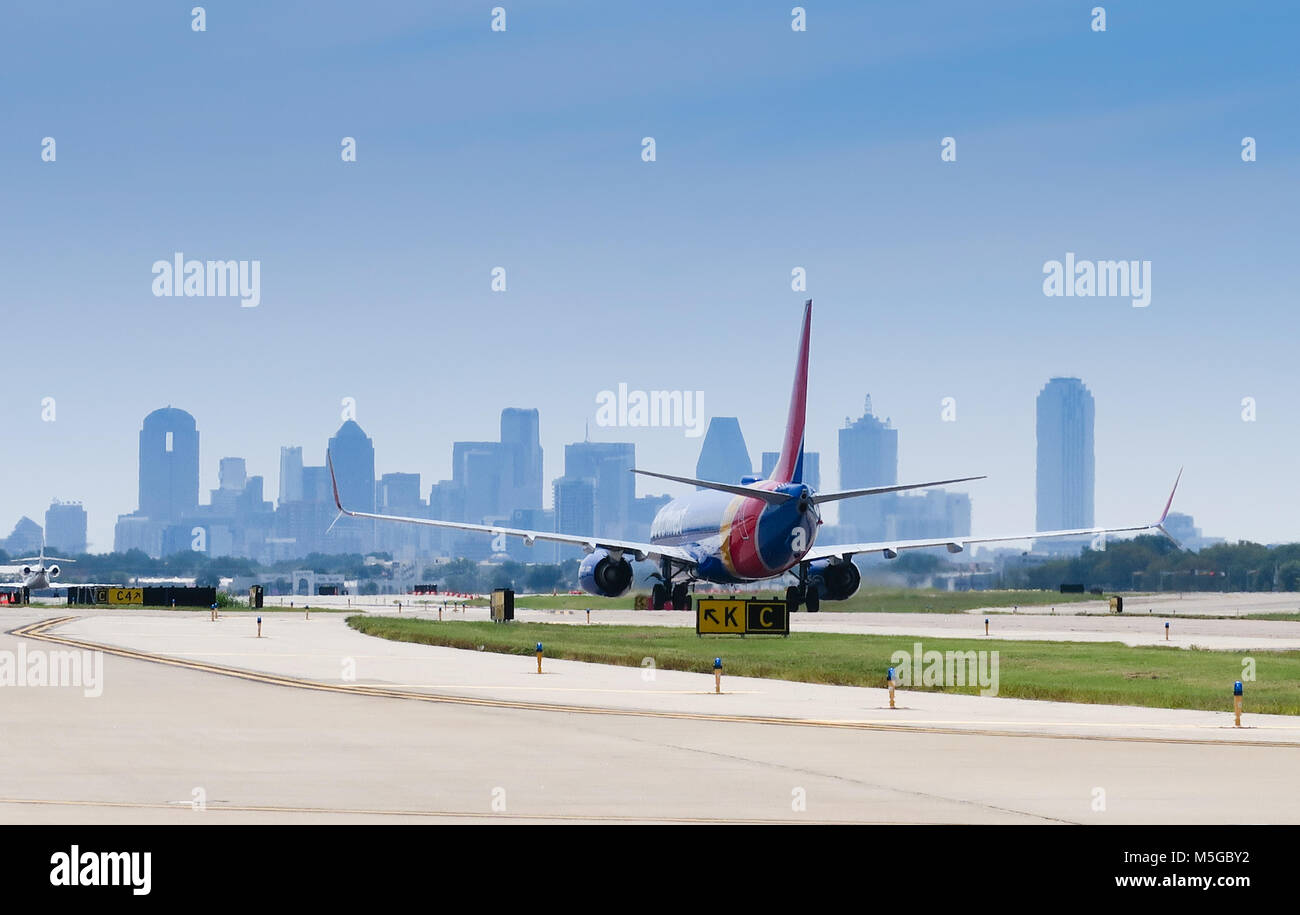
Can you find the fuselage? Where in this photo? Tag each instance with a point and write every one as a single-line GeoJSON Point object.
{"type": "Point", "coordinates": [738, 538]}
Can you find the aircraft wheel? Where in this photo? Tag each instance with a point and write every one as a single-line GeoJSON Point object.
{"type": "Point", "coordinates": [681, 597]}
{"type": "Point", "coordinates": [813, 600]}
{"type": "Point", "coordinates": [658, 594]}
{"type": "Point", "coordinates": [792, 598]}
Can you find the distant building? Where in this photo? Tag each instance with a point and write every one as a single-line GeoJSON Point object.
{"type": "Point", "coordinates": [608, 465]}
{"type": "Point", "coordinates": [169, 465]}
{"type": "Point", "coordinates": [575, 509]}
{"type": "Point", "coordinates": [169, 481]}
{"type": "Point", "coordinates": [724, 458]}
{"type": "Point", "coordinates": [928, 515]}
{"type": "Point", "coordinates": [1182, 527]}
{"type": "Point", "coordinates": [291, 474]}
{"type": "Point", "coordinates": [868, 457]}
{"type": "Point", "coordinates": [521, 435]}
{"type": "Point", "coordinates": [812, 467]}
{"type": "Point", "coordinates": [353, 455]}
{"type": "Point", "coordinates": [25, 539]}
{"type": "Point", "coordinates": [1066, 472]}
{"type": "Point", "coordinates": [65, 528]}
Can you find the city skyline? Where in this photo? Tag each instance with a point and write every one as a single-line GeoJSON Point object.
{"type": "Point", "coordinates": [170, 435]}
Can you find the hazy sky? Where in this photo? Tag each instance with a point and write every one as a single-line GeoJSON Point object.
{"type": "Point", "coordinates": [775, 149]}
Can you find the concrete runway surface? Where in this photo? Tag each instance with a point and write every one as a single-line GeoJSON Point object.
{"type": "Point", "coordinates": [317, 723]}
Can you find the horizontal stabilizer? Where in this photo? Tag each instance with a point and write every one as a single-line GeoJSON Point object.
{"type": "Point", "coordinates": [877, 490]}
{"type": "Point", "coordinates": [772, 498]}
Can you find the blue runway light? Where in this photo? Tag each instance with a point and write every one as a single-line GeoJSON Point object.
{"type": "Point", "coordinates": [717, 663]}
{"type": "Point", "coordinates": [1236, 688]}
{"type": "Point", "coordinates": [539, 646]}
{"type": "Point", "coordinates": [891, 674]}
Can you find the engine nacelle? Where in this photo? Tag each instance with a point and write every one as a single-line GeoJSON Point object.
{"type": "Point", "coordinates": [27, 570]}
{"type": "Point", "coordinates": [52, 572]}
{"type": "Point", "coordinates": [834, 580]}
{"type": "Point", "coordinates": [603, 575]}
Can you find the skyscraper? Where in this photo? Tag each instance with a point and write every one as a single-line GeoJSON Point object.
{"type": "Point", "coordinates": [65, 527]}
{"type": "Point", "coordinates": [868, 457]}
{"type": "Point", "coordinates": [608, 465]}
{"type": "Point", "coordinates": [812, 467]}
{"type": "Point", "coordinates": [353, 454]}
{"type": "Point", "coordinates": [723, 455]}
{"type": "Point", "coordinates": [169, 465]}
{"type": "Point", "coordinates": [1065, 455]}
{"type": "Point", "coordinates": [520, 433]}
{"type": "Point", "coordinates": [291, 474]}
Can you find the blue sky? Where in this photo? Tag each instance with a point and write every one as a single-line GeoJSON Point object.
{"type": "Point", "coordinates": [775, 149]}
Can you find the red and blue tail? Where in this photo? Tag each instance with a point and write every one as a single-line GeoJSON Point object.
{"type": "Point", "coordinates": [789, 466]}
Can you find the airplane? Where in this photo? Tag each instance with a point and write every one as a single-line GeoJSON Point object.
{"type": "Point", "coordinates": [41, 577]}
{"type": "Point", "coordinates": [752, 531]}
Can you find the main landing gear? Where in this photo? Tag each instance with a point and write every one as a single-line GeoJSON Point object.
{"type": "Point", "coordinates": [803, 593]}
{"type": "Point", "coordinates": [665, 591]}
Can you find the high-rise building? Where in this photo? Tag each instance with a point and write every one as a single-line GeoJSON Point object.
{"type": "Point", "coordinates": [723, 455]}
{"type": "Point", "coordinates": [575, 508]}
{"type": "Point", "coordinates": [65, 528]}
{"type": "Point", "coordinates": [1065, 455]}
{"type": "Point", "coordinates": [232, 474]}
{"type": "Point", "coordinates": [291, 474]}
{"type": "Point", "coordinates": [353, 454]}
{"type": "Point", "coordinates": [169, 465]}
{"type": "Point", "coordinates": [520, 433]}
{"type": "Point", "coordinates": [608, 465]}
{"type": "Point", "coordinates": [812, 467]}
{"type": "Point", "coordinates": [868, 457]}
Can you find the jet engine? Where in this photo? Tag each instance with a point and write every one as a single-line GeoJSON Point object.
{"type": "Point", "coordinates": [605, 576]}
{"type": "Point", "coordinates": [27, 570]}
{"type": "Point", "coordinates": [834, 580]}
{"type": "Point", "coordinates": [52, 572]}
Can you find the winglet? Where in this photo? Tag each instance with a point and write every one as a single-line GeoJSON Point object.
{"type": "Point", "coordinates": [1160, 525]}
{"type": "Point", "coordinates": [1165, 513]}
{"type": "Point", "coordinates": [334, 482]}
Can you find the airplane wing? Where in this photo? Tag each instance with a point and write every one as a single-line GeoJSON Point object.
{"type": "Point", "coordinates": [640, 551]}
{"type": "Point", "coordinates": [890, 549]}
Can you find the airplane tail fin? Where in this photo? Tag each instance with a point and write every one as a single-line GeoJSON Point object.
{"type": "Point", "coordinates": [789, 466]}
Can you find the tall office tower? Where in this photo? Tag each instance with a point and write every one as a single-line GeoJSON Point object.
{"type": "Point", "coordinates": [575, 509]}
{"type": "Point", "coordinates": [232, 474]}
{"type": "Point", "coordinates": [484, 470]}
{"type": "Point", "coordinates": [868, 457]}
{"type": "Point", "coordinates": [812, 467]}
{"type": "Point", "coordinates": [169, 465]}
{"type": "Point", "coordinates": [1065, 455]}
{"type": "Point", "coordinates": [291, 474]}
{"type": "Point", "coordinates": [353, 454]}
{"type": "Point", "coordinates": [608, 465]}
{"type": "Point", "coordinates": [723, 456]}
{"type": "Point", "coordinates": [520, 433]}
{"type": "Point", "coordinates": [65, 527]}
{"type": "Point", "coordinates": [399, 493]}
